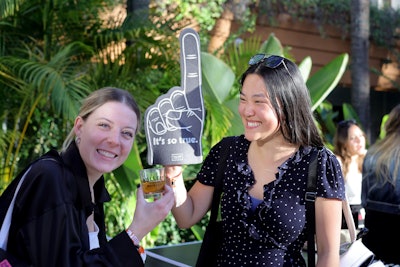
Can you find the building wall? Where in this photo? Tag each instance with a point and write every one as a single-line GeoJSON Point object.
{"type": "Point", "coordinates": [305, 39]}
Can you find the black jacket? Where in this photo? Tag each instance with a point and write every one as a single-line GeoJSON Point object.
{"type": "Point", "coordinates": [379, 196]}
{"type": "Point", "coordinates": [48, 225]}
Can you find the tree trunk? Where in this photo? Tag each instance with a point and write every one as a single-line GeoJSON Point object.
{"type": "Point", "coordinates": [221, 31]}
{"type": "Point", "coordinates": [360, 76]}
{"type": "Point", "coordinates": [138, 8]}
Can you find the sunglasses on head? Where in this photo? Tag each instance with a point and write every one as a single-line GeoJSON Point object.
{"type": "Point", "coordinates": [270, 61]}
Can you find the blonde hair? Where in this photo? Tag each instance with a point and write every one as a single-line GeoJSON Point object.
{"type": "Point", "coordinates": [99, 98]}
{"type": "Point", "coordinates": [384, 156]}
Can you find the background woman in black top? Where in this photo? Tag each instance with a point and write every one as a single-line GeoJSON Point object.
{"type": "Point", "coordinates": [380, 194]}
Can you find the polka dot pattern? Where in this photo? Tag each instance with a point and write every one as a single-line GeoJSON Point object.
{"type": "Point", "coordinates": [274, 233]}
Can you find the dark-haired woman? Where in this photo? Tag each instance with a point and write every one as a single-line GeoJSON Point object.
{"type": "Point", "coordinates": [265, 179]}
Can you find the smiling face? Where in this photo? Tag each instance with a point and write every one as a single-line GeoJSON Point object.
{"type": "Point", "coordinates": [258, 116]}
{"type": "Point", "coordinates": [106, 137]}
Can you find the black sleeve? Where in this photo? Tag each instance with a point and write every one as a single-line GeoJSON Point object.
{"type": "Point", "coordinates": [49, 227]}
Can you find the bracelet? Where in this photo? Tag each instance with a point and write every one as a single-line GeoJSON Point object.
{"type": "Point", "coordinates": [134, 238]}
{"type": "Point", "coordinates": [136, 242]}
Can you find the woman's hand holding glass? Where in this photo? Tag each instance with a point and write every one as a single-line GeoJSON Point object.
{"type": "Point", "coordinates": [149, 214]}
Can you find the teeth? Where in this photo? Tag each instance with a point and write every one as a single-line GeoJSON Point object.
{"type": "Point", "coordinates": [107, 154]}
{"type": "Point", "coordinates": [253, 124]}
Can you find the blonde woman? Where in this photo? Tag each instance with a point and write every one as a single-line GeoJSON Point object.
{"type": "Point", "coordinates": [381, 192]}
{"type": "Point", "coordinates": [58, 217]}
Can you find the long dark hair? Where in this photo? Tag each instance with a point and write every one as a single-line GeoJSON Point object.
{"type": "Point", "coordinates": [291, 101]}
{"type": "Point", "coordinates": [340, 148]}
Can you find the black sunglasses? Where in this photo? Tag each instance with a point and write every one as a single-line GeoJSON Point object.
{"type": "Point", "coordinates": [270, 61]}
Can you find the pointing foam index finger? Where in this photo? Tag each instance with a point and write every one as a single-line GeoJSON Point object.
{"type": "Point", "coordinates": [191, 67]}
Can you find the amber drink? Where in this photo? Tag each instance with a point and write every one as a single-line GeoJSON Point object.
{"type": "Point", "coordinates": [153, 182]}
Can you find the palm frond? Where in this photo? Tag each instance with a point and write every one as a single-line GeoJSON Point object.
{"type": "Point", "coordinates": [62, 79]}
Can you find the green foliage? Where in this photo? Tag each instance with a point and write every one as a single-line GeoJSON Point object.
{"type": "Point", "coordinates": [52, 54]}
{"type": "Point", "coordinates": [325, 79]}
{"type": "Point", "coordinates": [119, 212]}
{"type": "Point", "coordinates": [42, 68]}
{"type": "Point", "coordinates": [55, 53]}
{"type": "Point", "coordinates": [327, 119]}
{"type": "Point", "coordinates": [324, 113]}
{"type": "Point", "coordinates": [384, 25]}
{"type": "Point", "coordinates": [216, 74]}
{"type": "Point", "coordinates": [382, 133]}
{"type": "Point", "coordinates": [384, 22]}
{"type": "Point", "coordinates": [44, 133]}
{"type": "Point", "coordinates": [217, 80]}
{"type": "Point", "coordinates": [205, 12]}
{"type": "Point", "coordinates": [185, 12]}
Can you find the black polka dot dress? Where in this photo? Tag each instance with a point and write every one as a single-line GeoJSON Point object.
{"type": "Point", "coordinates": [271, 231]}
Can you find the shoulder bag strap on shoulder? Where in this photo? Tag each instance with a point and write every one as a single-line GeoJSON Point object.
{"type": "Point", "coordinates": [5, 226]}
{"type": "Point", "coordinates": [310, 196]}
{"type": "Point", "coordinates": [225, 143]}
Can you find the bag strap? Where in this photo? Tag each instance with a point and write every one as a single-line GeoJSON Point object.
{"type": "Point", "coordinates": [310, 197]}
{"type": "Point", "coordinates": [310, 210]}
{"type": "Point", "coordinates": [5, 227]}
{"type": "Point", "coordinates": [349, 220]}
{"type": "Point", "coordinates": [224, 151]}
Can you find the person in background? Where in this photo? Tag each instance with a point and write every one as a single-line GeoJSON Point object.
{"type": "Point", "coordinates": [265, 179]}
{"type": "Point", "coordinates": [380, 195]}
{"type": "Point", "coordinates": [58, 218]}
{"type": "Point", "coordinates": [350, 148]}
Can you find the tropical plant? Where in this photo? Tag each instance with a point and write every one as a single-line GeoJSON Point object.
{"type": "Point", "coordinates": [52, 54]}
{"type": "Point", "coordinates": [44, 57]}
{"type": "Point", "coordinates": [45, 73]}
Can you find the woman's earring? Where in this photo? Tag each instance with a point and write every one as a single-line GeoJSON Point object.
{"type": "Point", "coordinates": [77, 140]}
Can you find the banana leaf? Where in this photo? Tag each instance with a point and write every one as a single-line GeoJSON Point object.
{"type": "Point", "coordinates": [325, 79]}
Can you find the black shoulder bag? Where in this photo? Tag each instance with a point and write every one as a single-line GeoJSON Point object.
{"type": "Point", "coordinates": [212, 239]}
{"type": "Point", "coordinates": [310, 208]}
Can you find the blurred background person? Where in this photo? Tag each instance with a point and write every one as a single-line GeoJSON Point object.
{"type": "Point", "coordinates": [350, 149]}
{"type": "Point", "coordinates": [381, 192]}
